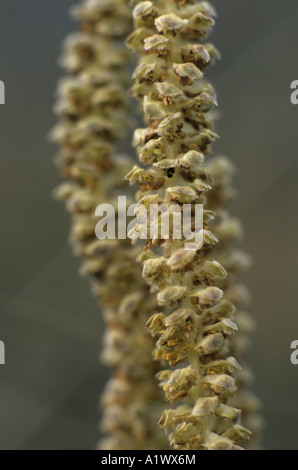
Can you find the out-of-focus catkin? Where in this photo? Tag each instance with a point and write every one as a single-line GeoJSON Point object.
{"type": "Point", "coordinates": [92, 105]}
{"type": "Point", "coordinates": [229, 231]}
{"type": "Point", "coordinates": [195, 326]}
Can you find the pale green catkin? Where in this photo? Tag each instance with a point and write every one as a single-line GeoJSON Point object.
{"type": "Point", "coordinates": [195, 325]}
{"type": "Point", "coordinates": [92, 106]}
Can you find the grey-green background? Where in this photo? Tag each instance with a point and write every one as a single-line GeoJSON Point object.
{"type": "Point", "coordinates": [50, 324]}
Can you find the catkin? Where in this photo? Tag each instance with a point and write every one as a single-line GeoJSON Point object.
{"type": "Point", "coordinates": [195, 326]}
{"type": "Point", "coordinates": [229, 232]}
{"type": "Point", "coordinates": [92, 106]}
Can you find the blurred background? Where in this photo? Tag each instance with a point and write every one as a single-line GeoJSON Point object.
{"type": "Point", "coordinates": [50, 324]}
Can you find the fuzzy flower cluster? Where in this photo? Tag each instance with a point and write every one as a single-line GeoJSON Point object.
{"type": "Point", "coordinates": [197, 321]}
{"type": "Point", "coordinates": [92, 106]}
{"type": "Point", "coordinates": [190, 299]}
